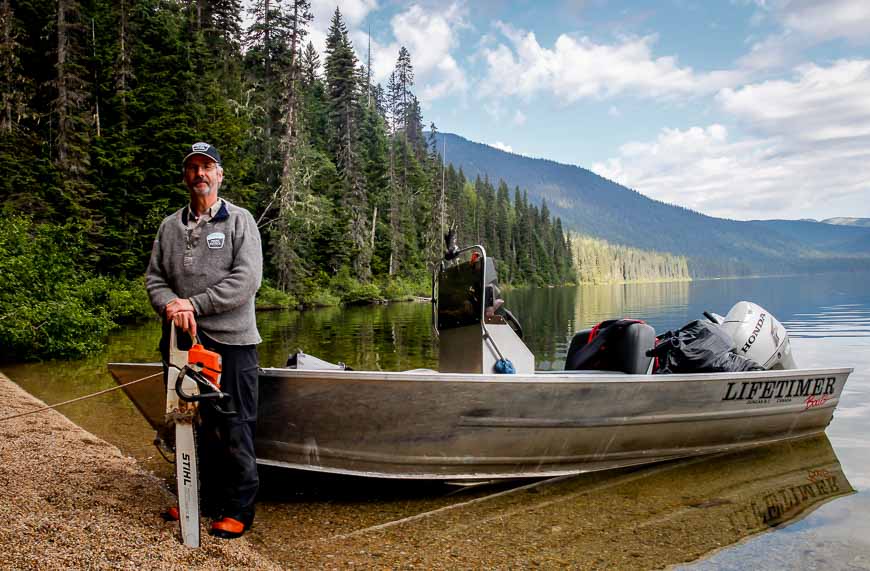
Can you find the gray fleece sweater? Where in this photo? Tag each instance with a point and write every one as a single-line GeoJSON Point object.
{"type": "Point", "coordinates": [219, 272]}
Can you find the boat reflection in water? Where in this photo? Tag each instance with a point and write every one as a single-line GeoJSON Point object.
{"type": "Point", "coordinates": [633, 518]}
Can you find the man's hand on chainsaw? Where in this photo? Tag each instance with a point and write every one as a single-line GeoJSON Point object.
{"type": "Point", "coordinates": [178, 305]}
{"type": "Point", "coordinates": [180, 312]}
{"type": "Point", "coordinates": [186, 321]}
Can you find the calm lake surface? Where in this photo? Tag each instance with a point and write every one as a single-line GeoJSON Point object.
{"type": "Point", "coordinates": [765, 508]}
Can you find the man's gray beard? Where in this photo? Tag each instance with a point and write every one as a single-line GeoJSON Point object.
{"type": "Point", "coordinates": [208, 191]}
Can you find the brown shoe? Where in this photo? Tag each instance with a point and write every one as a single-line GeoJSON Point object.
{"type": "Point", "coordinates": [228, 528]}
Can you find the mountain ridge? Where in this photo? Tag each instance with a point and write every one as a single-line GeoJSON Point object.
{"type": "Point", "coordinates": [590, 204]}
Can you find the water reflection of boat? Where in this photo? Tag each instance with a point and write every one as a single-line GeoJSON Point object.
{"type": "Point", "coordinates": [467, 422]}
{"type": "Point", "coordinates": [639, 518]}
{"type": "Point", "coordinates": [690, 507]}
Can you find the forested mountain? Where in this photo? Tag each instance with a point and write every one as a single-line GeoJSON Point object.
{"type": "Point", "coordinates": [592, 205]}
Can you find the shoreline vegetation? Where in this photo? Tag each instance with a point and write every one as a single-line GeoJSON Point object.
{"type": "Point", "coordinates": [53, 306]}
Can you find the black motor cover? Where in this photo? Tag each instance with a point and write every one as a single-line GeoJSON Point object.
{"type": "Point", "coordinates": [700, 347]}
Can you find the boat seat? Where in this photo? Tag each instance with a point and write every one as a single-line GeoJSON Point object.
{"type": "Point", "coordinates": [619, 345]}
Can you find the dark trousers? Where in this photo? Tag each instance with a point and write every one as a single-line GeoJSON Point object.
{"type": "Point", "coordinates": [227, 462]}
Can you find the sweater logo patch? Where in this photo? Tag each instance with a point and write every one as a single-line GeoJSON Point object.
{"type": "Point", "coordinates": [215, 240]}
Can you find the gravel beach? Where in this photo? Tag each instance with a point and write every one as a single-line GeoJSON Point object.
{"type": "Point", "coordinates": [69, 500]}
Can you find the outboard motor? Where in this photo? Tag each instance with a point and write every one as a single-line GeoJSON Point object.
{"type": "Point", "coordinates": [758, 336]}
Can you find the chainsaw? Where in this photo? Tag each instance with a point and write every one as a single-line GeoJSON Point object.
{"type": "Point", "coordinates": [193, 377]}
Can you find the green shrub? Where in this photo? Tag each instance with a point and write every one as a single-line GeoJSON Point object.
{"type": "Point", "coordinates": [362, 293]}
{"type": "Point", "coordinates": [342, 283]}
{"type": "Point", "coordinates": [351, 290]}
{"type": "Point", "coordinates": [317, 297]}
{"type": "Point", "coordinates": [270, 297]}
{"type": "Point", "coordinates": [49, 307]}
{"type": "Point", "coordinates": [404, 289]}
{"type": "Point", "coordinates": [123, 300]}
{"type": "Point", "coordinates": [397, 289]}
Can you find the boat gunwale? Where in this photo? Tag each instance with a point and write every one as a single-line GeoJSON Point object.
{"type": "Point", "coordinates": [543, 377]}
{"type": "Point", "coordinates": [555, 377]}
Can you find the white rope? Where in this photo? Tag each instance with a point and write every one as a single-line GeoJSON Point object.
{"type": "Point", "coordinates": [608, 483]}
{"type": "Point", "coordinates": [447, 508]}
{"type": "Point", "coordinates": [98, 393]}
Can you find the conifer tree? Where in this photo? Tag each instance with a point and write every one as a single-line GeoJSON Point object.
{"type": "Point", "coordinates": [266, 40]}
{"type": "Point", "coordinates": [344, 114]}
{"type": "Point", "coordinates": [71, 109]}
{"type": "Point", "coordinates": [310, 65]}
{"type": "Point", "coordinates": [14, 86]}
{"type": "Point", "coordinates": [19, 139]}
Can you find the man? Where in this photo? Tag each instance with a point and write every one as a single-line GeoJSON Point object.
{"type": "Point", "coordinates": [206, 266]}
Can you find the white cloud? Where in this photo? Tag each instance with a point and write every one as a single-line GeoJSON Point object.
{"type": "Point", "coordinates": [574, 69]}
{"type": "Point", "coordinates": [353, 12]}
{"type": "Point", "coordinates": [808, 155]}
{"type": "Point", "coordinates": [430, 36]}
{"type": "Point", "coordinates": [383, 55]}
{"type": "Point", "coordinates": [826, 20]}
{"type": "Point", "coordinates": [805, 23]}
{"type": "Point", "coordinates": [775, 51]}
{"type": "Point", "coordinates": [502, 147]}
{"type": "Point", "coordinates": [820, 104]}
{"type": "Point", "coordinates": [519, 118]}
{"type": "Point", "coordinates": [494, 108]}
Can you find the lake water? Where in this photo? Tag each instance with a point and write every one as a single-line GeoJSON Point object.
{"type": "Point", "coordinates": [794, 505]}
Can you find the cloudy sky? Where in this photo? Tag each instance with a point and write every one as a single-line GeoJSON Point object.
{"type": "Point", "coordinates": [743, 109]}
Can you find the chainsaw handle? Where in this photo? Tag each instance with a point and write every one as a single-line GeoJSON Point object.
{"type": "Point", "coordinates": [219, 409]}
{"type": "Point", "coordinates": [214, 394]}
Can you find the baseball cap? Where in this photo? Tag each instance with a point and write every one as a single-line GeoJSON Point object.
{"type": "Point", "coordinates": [205, 150]}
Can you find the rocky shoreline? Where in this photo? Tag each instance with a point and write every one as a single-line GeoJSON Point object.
{"type": "Point", "coordinates": [72, 500]}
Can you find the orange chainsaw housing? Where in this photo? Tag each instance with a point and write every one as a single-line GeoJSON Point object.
{"type": "Point", "coordinates": [207, 361]}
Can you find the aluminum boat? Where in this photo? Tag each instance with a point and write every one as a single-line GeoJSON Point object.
{"type": "Point", "coordinates": [486, 413]}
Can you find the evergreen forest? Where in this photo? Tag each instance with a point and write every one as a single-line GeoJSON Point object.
{"type": "Point", "coordinates": [598, 261]}
{"type": "Point", "coordinates": [101, 98]}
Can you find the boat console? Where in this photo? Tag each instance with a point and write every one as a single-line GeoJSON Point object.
{"type": "Point", "coordinates": [474, 329]}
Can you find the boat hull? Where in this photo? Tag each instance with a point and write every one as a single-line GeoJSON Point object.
{"type": "Point", "coordinates": [430, 425]}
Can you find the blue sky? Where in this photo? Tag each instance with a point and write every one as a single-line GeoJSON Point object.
{"type": "Point", "coordinates": [743, 109]}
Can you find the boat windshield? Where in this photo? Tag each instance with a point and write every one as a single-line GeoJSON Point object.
{"type": "Point", "coordinates": [459, 294]}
